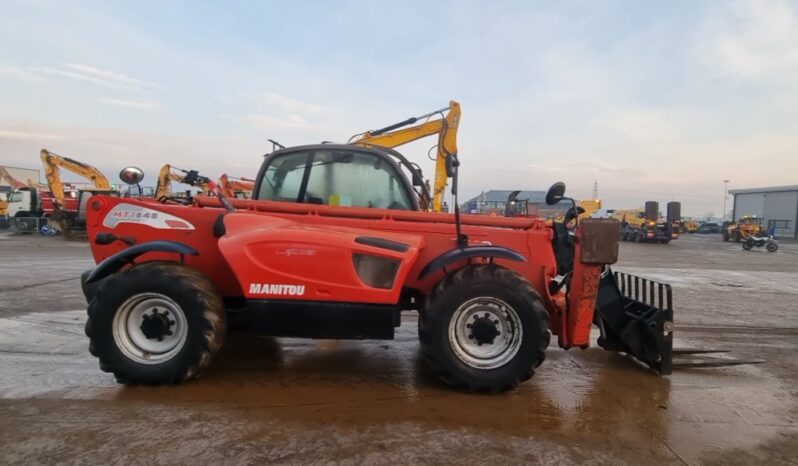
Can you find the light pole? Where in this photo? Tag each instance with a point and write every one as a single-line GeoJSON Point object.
{"type": "Point", "coordinates": [725, 195]}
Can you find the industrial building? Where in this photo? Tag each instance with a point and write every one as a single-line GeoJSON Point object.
{"type": "Point", "coordinates": [777, 206]}
{"type": "Point", "coordinates": [495, 201]}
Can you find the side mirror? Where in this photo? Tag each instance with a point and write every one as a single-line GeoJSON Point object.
{"type": "Point", "coordinates": [131, 175]}
{"type": "Point", "coordinates": [556, 193]}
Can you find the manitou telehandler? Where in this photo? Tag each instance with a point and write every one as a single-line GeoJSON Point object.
{"type": "Point", "coordinates": [333, 245]}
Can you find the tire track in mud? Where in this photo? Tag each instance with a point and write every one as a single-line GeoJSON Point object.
{"type": "Point", "coordinates": [33, 285]}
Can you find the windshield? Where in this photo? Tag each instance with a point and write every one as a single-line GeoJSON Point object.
{"type": "Point", "coordinates": [16, 197]}
{"type": "Point", "coordinates": [335, 177]}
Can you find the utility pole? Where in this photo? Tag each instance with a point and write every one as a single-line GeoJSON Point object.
{"type": "Point", "coordinates": [725, 195]}
{"type": "Point", "coordinates": [595, 190]}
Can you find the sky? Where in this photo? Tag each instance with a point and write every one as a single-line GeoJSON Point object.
{"type": "Point", "coordinates": [650, 100]}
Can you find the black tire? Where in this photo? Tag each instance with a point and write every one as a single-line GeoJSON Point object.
{"type": "Point", "coordinates": [203, 318]}
{"type": "Point", "coordinates": [476, 282]}
{"type": "Point", "coordinates": [748, 244]}
{"type": "Point", "coordinates": [725, 235]}
{"type": "Point", "coordinates": [737, 237]}
{"type": "Point", "coordinates": [772, 247]}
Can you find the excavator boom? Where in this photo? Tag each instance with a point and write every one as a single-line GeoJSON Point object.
{"type": "Point", "coordinates": [169, 173]}
{"type": "Point", "coordinates": [52, 171]}
{"type": "Point", "coordinates": [233, 187]}
{"type": "Point", "coordinates": [446, 129]}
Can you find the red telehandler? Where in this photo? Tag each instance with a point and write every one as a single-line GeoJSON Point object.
{"type": "Point", "coordinates": [333, 245]}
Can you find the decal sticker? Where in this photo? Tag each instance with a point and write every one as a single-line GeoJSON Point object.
{"type": "Point", "coordinates": [279, 290]}
{"type": "Point", "coordinates": [129, 213]}
{"type": "Point", "coordinates": [295, 252]}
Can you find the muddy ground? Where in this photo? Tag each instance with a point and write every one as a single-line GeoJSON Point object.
{"type": "Point", "coordinates": [292, 401]}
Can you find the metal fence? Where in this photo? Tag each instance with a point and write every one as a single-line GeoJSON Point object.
{"type": "Point", "coordinates": [28, 225]}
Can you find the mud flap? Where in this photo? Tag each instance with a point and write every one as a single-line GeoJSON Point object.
{"type": "Point", "coordinates": [635, 316]}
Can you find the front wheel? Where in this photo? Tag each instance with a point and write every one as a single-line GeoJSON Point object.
{"type": "Point", "coordinates": [156, 323]}
{"type": "Point", "coordinates": [772, 247]}
{"type": "Point", "coordinates": [484, 329]}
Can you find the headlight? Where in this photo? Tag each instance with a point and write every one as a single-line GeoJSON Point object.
{"type": "Point", "coordinates": [375, 271]}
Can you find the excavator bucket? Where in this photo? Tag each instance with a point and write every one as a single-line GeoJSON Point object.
{"type": "Point", "coordinates": [635, 316]}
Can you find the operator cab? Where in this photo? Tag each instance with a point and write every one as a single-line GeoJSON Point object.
{"type": "Point", "coordinates": [339, 175]}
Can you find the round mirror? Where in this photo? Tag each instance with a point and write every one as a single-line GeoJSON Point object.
{"type": "Point", "coordinates": [131, 175]}
{"type": "Point", "coordinates": [555, 193]}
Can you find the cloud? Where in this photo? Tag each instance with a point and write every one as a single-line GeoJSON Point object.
{"type": "Point", "coordinates": [20, 73]}
{"type": "Point", "coordinates": [289, 104]}
{"type": "Point", "coordinates": [134, 104]}
{"type": "Point", "coordinates": [26, 135]}
{"type": "Point", "coordinates": [754, 38]}
{"type": "Point", "coordinates": [268, 122]}
{"type": "Point", "coordinates": [102, 77]}
{"type": "Point", "coordinates": [638, 124]}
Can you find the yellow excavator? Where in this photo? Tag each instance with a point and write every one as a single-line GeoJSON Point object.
{"type": "Point", "coordinates": [236, 188]}
{"type": "Point", "coordinates": [71, 216]}
{"type": "Point", "coordinates": [14, 184]}
{"type": "Point", "coordinates": [446, 129]}
{"type": "Point", "coordinates": [168, 174]}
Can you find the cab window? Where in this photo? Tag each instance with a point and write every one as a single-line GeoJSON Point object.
{"type": "Point", "coordinates": [335, 177]}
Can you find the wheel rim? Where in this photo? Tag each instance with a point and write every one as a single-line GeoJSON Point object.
{"type": "Point", "coordinates": [150, 328]}
{"type": "Point", "coordinates": [485, 332]}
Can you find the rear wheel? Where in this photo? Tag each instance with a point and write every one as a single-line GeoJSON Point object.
{"type": "Point", "coordinates": [156, 323]}
{"type": "Point", "coordinates": [748, 244]}
{"type": "Point", "coordinates": [484, 328]}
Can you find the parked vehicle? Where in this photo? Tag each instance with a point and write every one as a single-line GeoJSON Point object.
{"type": "Point", "coordinates": [768, 241]}
{"type": "Point", "coordinates": [742, 228]}
{"type": "Point", "coordinates": [709, 228]}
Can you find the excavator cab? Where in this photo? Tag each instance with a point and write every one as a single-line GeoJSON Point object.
{"type": "Point", "coordinates": [337, 175]}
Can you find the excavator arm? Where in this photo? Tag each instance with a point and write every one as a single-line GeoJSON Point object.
{"type": "Point", "coordinates": [52, 171]}
{"type": "Point", "coordinates": [231, 186]}
{"type": "Point", "coordinates": [446, 129]}
{"type": "Point", "coordinates": [10, 180]}
{"type": "Point", "coordinates": [169, 173]}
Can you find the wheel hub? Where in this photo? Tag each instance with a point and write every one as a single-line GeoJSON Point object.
{"type": "Point", "coordinates": [484, 329]}
{"type": "Point", "coordinates": [150, 328]}
{"type": "Point", "coordinates": [157, 325]}
{"type": "Point", "coordinates": [485, 332]}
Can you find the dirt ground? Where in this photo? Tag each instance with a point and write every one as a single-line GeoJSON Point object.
{"type": "Point", "coordinates": [293, 401]}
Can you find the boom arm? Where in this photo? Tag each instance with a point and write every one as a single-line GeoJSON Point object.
{"type": "Point", "coordinates": [446, 129]}
{"type": "Point", "coordinates": [52, 171]}
{"type": "Point", "coordinates": [167, 175]}
{"type": "Point", "coordinates": [13, 182]}
{"type": "Point", "coordinates": [231, 186]}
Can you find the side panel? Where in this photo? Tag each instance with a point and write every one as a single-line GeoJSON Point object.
{"type": "Point", "coordinates": [132, 219]}
{"type": "Point", "coordinates": [275, 258]}
{"type": "Point", "coordinates": [530, 237]}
